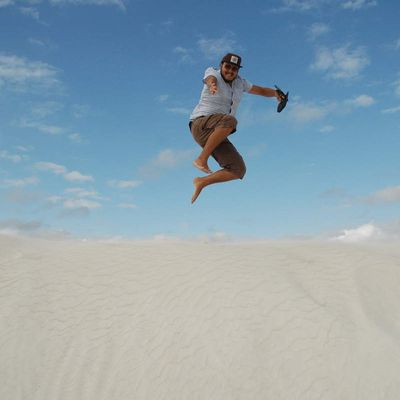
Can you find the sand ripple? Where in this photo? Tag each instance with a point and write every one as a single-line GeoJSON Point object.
{"type": "Point", "coordinates": [142, 320]}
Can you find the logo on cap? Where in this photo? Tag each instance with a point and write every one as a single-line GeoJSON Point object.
{"type": "Point", "coordinates": [234, 60]}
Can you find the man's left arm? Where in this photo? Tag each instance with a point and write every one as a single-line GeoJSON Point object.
{"type": "Point", "coordinates": [264, 91]}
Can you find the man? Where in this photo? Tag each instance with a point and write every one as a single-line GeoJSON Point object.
{"type": "Point", "coordinates": [213, 120]}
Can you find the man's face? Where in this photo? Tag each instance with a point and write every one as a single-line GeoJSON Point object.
{"type": "Point", "coordinates": [229, 71]}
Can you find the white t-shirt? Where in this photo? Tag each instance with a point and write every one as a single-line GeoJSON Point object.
{"type": "Point", "coordinates": [227, 98]}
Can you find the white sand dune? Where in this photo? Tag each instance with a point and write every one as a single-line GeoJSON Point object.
{"type": "Point", "coordinates": [137, 320]}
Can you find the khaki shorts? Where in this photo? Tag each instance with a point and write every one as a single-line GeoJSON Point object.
{"type": "Point", "coordinates": [225, 154]}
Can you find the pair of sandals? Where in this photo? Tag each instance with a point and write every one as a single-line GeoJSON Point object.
{"type": "Point", "coordinates": [284, 99]}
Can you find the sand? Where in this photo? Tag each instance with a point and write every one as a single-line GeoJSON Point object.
{"type": "Point", "coordinates": [183, 320]}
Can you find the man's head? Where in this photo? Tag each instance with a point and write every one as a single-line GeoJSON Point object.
{"type": "Point", "coordinates": [230, 65]}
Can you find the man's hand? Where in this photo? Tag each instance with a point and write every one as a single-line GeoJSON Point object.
{"type": "Point", "coordinates": [279, 95]}
{"type": "Point", "coordinates": [213, 87]}
{"type": "Point", "coordinates": [282, 98]}
{"type": "Point", "coordinates": [211, 82]}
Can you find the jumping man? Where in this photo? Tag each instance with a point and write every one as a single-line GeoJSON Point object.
{"type": "Point", "coordinates": [213, 120]}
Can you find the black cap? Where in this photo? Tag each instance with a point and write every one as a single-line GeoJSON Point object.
{"type": "Point", "coordinates": [232, 59]}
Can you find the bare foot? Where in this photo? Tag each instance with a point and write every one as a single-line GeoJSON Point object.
{"type": "Point", "coordinates": [202, 166]}
{"type": "Point", "coordinates": [198, 187]}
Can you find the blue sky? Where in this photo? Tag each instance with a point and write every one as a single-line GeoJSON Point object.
{"type": "Point", "coordinates": [94, 103]}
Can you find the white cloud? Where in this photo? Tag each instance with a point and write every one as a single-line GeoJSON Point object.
{"type": "Point", "coordinates": [30, 12]}
{"type": "Point", "coordinates": [362, 101]}
{"type": "Point", "coordinates": [73, 176]}
{"type": "Point", "coordinates": [360, 234]}
{"type": "Point", "coordinates": [175, 110]}
{"type": "Point", "coordinates": [54, 199]}
{"type": "Point", "coordinates": [118, 3]}
{"type": "Point", "coordinates": [5, 155]}
{"type": "Point", "coordinates": [167, 25]}
{"type": "Point", "coordinates": [298, 5]}
{"type": "Point", "coordinates": [81, 203]}
{"type": "Point", "coordinates": [44, 128]}
{"type": "Point", "coordinates": [44, 109]}
{"type": "Point", "coordinates": [317, 29]}
{"type": "Point", "coordinates": [165, 160]}
{"type": "Point", "coordinates": [75, 137]}
{"type": "Point", "coordinates": [307, 5]}
{"type": "Point", "coordinates": [52, 167]}
{"type": "Point", "coordinates": [391, 110]}
{"type": "Point", "coordinates": [307, 112]}
{"type": "Point", "coordinates": [327, 129]}
{"type": "Point", "coordinates": [340, 63]}
{"type": "Point", "coordinates": [77, 203]}
{"type": "Point", "coordinates": [83, 193]}
{"type": "Point", "coordinates": [185, 55]}
{"type": "Point", "coordinates": [21, 74]}
{"type": "Point", "coordinates": [256, 150]}
{"type": "Point", "coordinates": [36, 42]}
{"type": "Point", "coordinates": [50, 129]}
{"type": "Point", "coordinates": [162, 98]}
{"type": "Point", "coordinates": [179, 110]}
{"type": "Point", "coordinates": [124, 184]}
{"type": "Point", "coordinates": [24, 149]}
{"type": "Point", "coordinates": [214, 49]}
{"type": "Point", "coordinates": [20, 182]}
{"type": "Point", "coordinates": [387, 195]}
{"type": "Point", "coordinates": [358, 4]}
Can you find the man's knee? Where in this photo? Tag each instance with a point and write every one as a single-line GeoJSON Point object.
{"type": "Point", "coordinates": [242, 171]}
{"type": "Point", "coordinates": [238, 169]}
{"type": "Point", "coordinates": [228, 121]}
{"type": "Point", "coordinates": [231, 120]}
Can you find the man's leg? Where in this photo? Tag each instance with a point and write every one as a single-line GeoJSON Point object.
{"type": "Point", "coordinates": [223, 175]}
{"type": "Point", "coordinates": [233, 167]}
{"type": "Point", "coordinates": [213, 141]}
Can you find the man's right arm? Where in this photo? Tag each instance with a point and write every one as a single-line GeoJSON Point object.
{"type": "Point", "coordinates": [211, 82]}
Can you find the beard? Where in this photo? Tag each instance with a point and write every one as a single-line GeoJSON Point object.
{"type": "Point", "coordinates": [227, 80]}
